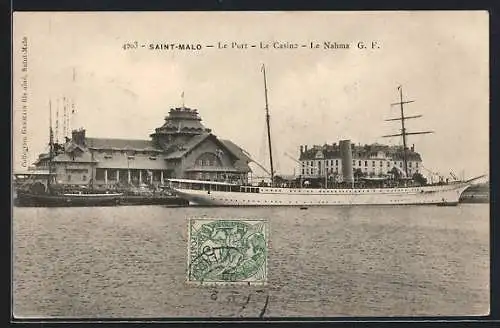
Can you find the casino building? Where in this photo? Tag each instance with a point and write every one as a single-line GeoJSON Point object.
{"type": "Point", "coordinates": [181, 148]}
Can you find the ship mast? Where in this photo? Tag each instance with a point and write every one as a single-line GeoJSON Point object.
{"type": "Point", "coordinates": [404, 133]}
{"type": "Point", "coordinates": [268, 127]}
{"type": "Point", "coordinates": [51, 145]}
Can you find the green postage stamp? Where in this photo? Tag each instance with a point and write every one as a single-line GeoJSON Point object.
{"type": "Point", "coordinates": [227, 251]}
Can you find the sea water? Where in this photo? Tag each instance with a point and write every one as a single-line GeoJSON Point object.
{"type": "Point", "coordinates": [131, 262]}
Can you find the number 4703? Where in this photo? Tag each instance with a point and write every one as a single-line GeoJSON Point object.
{"type": "Point", "coordinates": [130, 45]}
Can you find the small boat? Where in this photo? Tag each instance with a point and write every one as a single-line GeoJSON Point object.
{"type": "Point", "coordinates": [27, 198]}
{"type": "Point", "coordinates": [37, 194]}
{"type": "Point", "coordinates": [448, 204]}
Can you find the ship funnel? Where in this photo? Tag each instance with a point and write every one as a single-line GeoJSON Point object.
{"type": "Point", "coordinates": [346, 155]}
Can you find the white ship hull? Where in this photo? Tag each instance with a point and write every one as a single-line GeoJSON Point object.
{"type": "Point", "coordinates": [266, 196]}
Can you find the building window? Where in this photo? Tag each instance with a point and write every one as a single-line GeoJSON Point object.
{"type": "Point", "coordinates": [388, 164]}
{"type": "Point", "coordinates": [409, 164]}
{"type": "Point", "coordinates": [359, 163]}
{"type": "Point", "coordinates": [84, 177]}
{"type": "Point", "coordinates": [331, 162]}
{"type": "Point", "coordinates": [353, 163]}
{"type": "Point", "coordinates": [381, 163]}
{"type": "Point", "coordinates": [303, 172]}
{"type": "Point", "coordinates": [373, 163]}
{"type": "Point", "coordinates": [208, 159]}
{"type": "Point", "coordinates": [69, 177]}
{"type": "Point", "coordinates": [99, 174]}
{"type": "Point", "coordinates": [366, 163]}
{"type": "Point", "coordinates": [416, 164]}
{"type": "Point", "coordinates": [336, 162]}
{"type": "Point", "coordinates": [400, 164]}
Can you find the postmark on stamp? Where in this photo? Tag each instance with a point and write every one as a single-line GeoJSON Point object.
{"type": "Point", "coordinates": [225, 252]}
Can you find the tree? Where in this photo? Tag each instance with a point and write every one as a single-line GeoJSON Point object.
{"type": "Point", "coordinates": [419, 178]}
{"type": "Point", "coordinates": [358, 173]}
{"type": "Point", "coordinates": [395, 172]}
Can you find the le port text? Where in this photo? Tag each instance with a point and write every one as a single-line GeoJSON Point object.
{"type": "Point", "coordinates": [260, 45]}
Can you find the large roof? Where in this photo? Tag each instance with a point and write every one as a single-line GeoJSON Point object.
{"type": "Point", "coordinates": [118, 144]}
{"type": "Point", "coordinates": [182, 120]}
{"type": "Point", "coordinates": [243, 158]}
{"type": "Point", "coordinates": [238, 153]}
{"type": "Point", "coordinates": [185, 148]}
{"type": "Point", "coordinates": [122, 161]}
{"type": "Point", "coordinates": [359, 152]}
{"type": "Point", "coordinates": [84, 157]}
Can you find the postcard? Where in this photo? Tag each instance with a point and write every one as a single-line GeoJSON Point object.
{"type": "Point", "coordinates": [250, 165]}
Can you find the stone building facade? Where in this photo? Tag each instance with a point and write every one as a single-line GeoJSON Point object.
{"type": "Point", "coordinates": [373, 160]}
{"type": "Point", "coordinates": [181, 148]}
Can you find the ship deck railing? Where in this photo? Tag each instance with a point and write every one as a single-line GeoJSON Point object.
{"type": "Point", "coordinates": [234, 187]}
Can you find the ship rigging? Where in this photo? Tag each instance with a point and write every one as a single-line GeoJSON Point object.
{"type": "Point", "coordinates": [404, 133]}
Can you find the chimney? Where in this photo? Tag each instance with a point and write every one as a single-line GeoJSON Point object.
{"type": "Point", "coordinates": [78, 137]}
{"type": "Point", "coordinates": [305, 148]}
{"type": "Point", "coordinates": [413, 147]}
{"type": "Point", "coordinates": [301, 149]}
{"type": "Point", "coordinates": [346, 155]}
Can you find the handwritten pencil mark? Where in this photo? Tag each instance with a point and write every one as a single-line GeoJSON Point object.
{"type": "Point", "coordinates": [264, 308]}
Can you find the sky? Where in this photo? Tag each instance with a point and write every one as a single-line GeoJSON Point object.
{"type": "Point", "coordinates": [316, 96]}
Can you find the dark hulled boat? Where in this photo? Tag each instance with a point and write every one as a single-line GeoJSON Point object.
{"type": "Point", "coordinates": [47, 200]}
{"type": "Point", "coordinates": [36, 193]}
{"type": "Point", "coordinates": [28, 199]}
